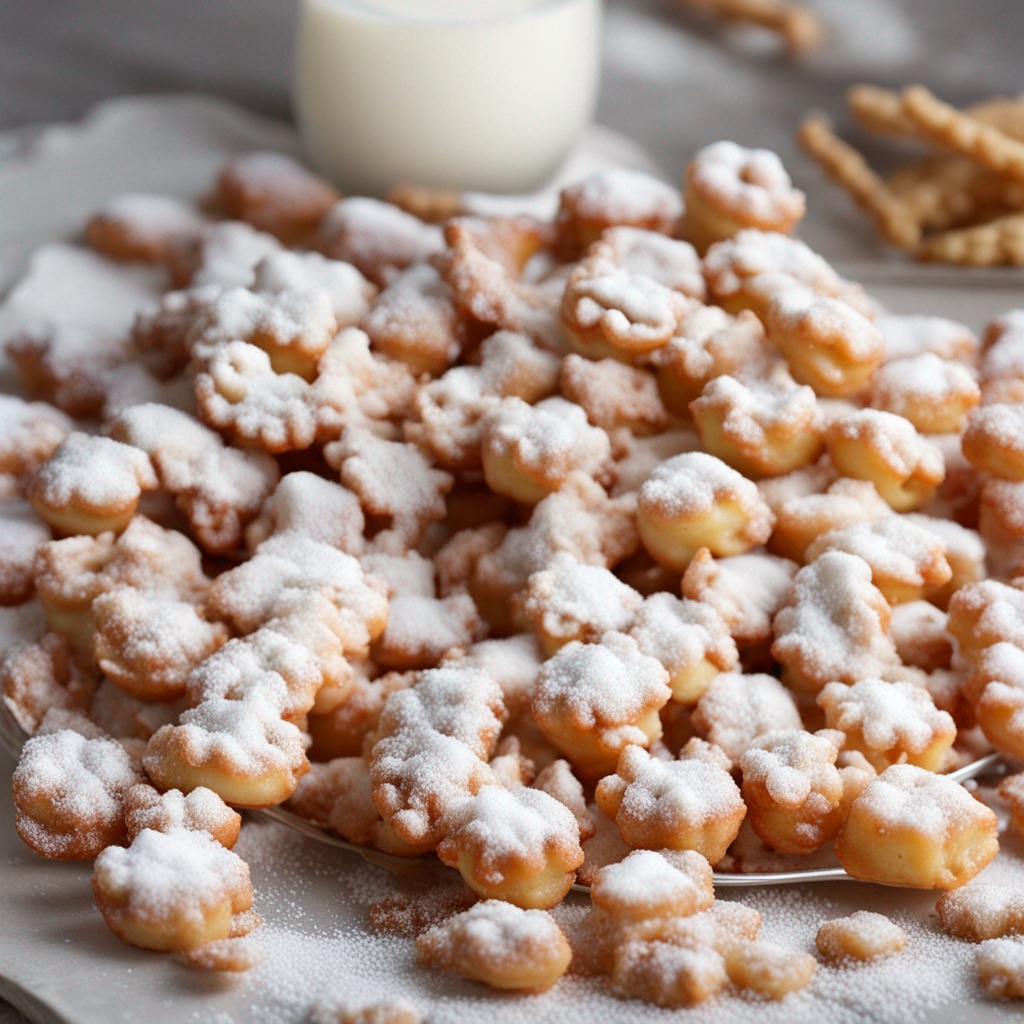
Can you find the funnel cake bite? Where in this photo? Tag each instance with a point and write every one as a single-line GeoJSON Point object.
{"type": "Point", "coordinates": [935, 395]}
{"type": "Point", "coordinates": [610, 312]}
{"type": "Point", "coordinates": [575, 601]}
{"type": "Point", "coordinates": [994, 440]}
{"type": "Point", "coordinates": [147, 642]}
{"type": "Point", "coordinates": [730, 189]}
{"type": "Point", "coordinates": [827, 343]}
{"type": "Point", "coordinates": [672, 805]}
{"type": "Point", "coordinates": [885, 449]}
{"type": "Point", "coordinates": [747, 270]}
{"type": "Point", "coordinates": [91, 485]}
{"type": "Point", "coordinates": [769, 969]}
{"type": "Point", "coordinates": [140, 227]}
{"type": "Point", "coordinates": [171, 890]}
{"type": "Point", "coordinates": [910, 827]}
{"type": "Point", "coordinates": [288, 569]}
{"type": "Point", "coordinates": [611, 199]}
{"type": "Point", "coordinates": [793, 790]}
{"type": "Point", "coordinates": [765, 430]}
{"type": "Point", "coordinates": [860, 937]}
{"type": "Point", "coordinates": [274, 193]}
{"type": "Point", "coordinates": [689, 638]}
{"type": "Point", "coordinates": [518, 845]}
{"type": "Point", "coordinates": [241, 749]}
{"type": "Point", "coordinates": [69, 794]}
{"type": "Point", "coordinates": [669, 261]}
{"type": "Point", "coordinates": [889, 723]}
{"type": "Point", "coordinates": [500, 945]}
{"type": "Point", "coordinates": [614, 395]}
{"type": "Point", "coordinates": [707, 343]}
{"type": "Point", "coordinates": [736, 709]}
{"type": "Point", "coordinates": [908, 562]}
{"type": "Point", "coordinates": [982, 910]}
{"type": "Point", "coordinates": [433, 742]}
{"type": "Point", "coordinates": [654, 884]}
{"type": "Point", "coordinates": [529, 450]}
{"type": "Point", "coordinates": [592, 700]}
{"type": "Point", "coordinates": [695, 501]}
{"type": "Point", "coordinates": [834, 626]}
{"type": "Point", "coordinates": [29, 434]}
{"type": "Point", "coordinates": [199, 811]}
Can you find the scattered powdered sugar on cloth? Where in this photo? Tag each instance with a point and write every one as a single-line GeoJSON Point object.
{"type": "Point", "coordinates": [314, 948]}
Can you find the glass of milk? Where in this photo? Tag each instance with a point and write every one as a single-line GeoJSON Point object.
{"type": "Point", "coordinates": [488, 95]}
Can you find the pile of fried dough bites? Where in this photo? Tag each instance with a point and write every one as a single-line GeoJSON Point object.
{"type": "Point", "coordinates": [599, 550]}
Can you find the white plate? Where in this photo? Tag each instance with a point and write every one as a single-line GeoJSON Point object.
{"type": "Point", "coordinates": [58, 962]}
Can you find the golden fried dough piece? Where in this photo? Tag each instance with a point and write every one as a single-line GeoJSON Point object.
{"type": "Point", "coordinates": [611, 312]}
{"type": "Point", "coordinates": [745, 590]}
{"type": "Point", "coordinates": [797, 25]}
{"type": "Point", "coordinates": [834, 625]}
{"type": "Point", "coordinates": [67, 365]}
{"type": "Point", "coordinates": [241, 749]}
{"type": "Point", "coordinates": [518, 845]}
{"type": "Point", "coordinates": [764, 430]}
{"type": "Point", "coordinates": [695, 501]}
{"type": "Point", "coordinates": [913, 828]}
{"type": "Point", "coordinates": [611, 199]}
{"type": "Point", "coordinates": [768, 969]}
{"type": "Point", "coordinates": [793, 790]}
{"type": "Point", "coordinates": [593, 700]}
{"type": "Point", "coordinates": [827, 343]}
{"type": "Point", "coordinates": [1011, 789]}
{"type": "Point", "coordinates": [666, 974]}
{"type": "Point", "coordinates": [982, 910]}
{"type": "Point", "coordinates": [887, 450]}
{"type": "Point", "coordinates": [69, 794]}
{"type": "Point", "coordinates": [731, 189]}
{"type": "Point", "coordinates": [377, 238]}
{"type": "Point", "coordinates": [879, 110]}
{"type": "Point", "coordinates": [672, 805]}
{"type": "Point", "coordinates": [736, 709]}
{"type": "Point", "coordinates": [275, 193]}
{"type": "Point", "coordinates": [889, 723]}
{"type": "Point", "coordinates": [654, 884]}
{"type": "Point", "coordinates": [288, 570]}
{"type": "Point", "coordinates": [199, 811]}
{"type": "Point", "coordinates": [707, 343]}
{"type": "Point", "coordinates": [850, 170]}
{"type": "Point", "coordinates": [433, 742]}
{"type": "Point", "coordinates": [614, 395]}
{"type": "Point", "coordinates": [908, 562]}
{"type": "Point", "coordinates": [1001, 968]}
{"type": "Point", "coordinates": [148, 642]}
{"type": "Point", "coordinates": [747, 271]}
{"type": "Point", "coordinates": [862, 936]}
{"type": "Point", "coordinates": [171, 890]}
{"type": "Point", "coordinates": [29, 434]}
{"type": "Point", "coordinates": [529, 450]}
{"type": "Point", "coordinates": [338, 795]}
{"type": "Point", "coordinates": [690, 639]}
{"type": "Point", "coordinates": [669, 261]}
{"type": "Point", "coordinates": [91, 485]}
{"type": "Point", "coordinates": [994, 440]}
{"type": "Point", "coordinates": [934, 394]}
{"type": "Point", "coordinates": [574, 601]}
{"type": "Point", "coordinates": [500, 945]}
{"type": "Point", "coordinates": [141, 227]}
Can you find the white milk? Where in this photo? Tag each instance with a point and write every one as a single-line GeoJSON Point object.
{"type": "Point", "coordinates": [487, 95]}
